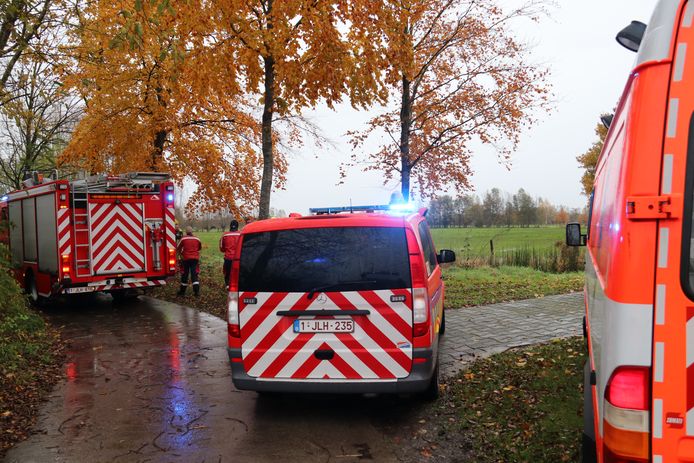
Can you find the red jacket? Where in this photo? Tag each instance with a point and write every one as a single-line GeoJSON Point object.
{"type": "Point", "coordinates": [189, 246]}
{"type": "Point", "coordinates": [228, 243]}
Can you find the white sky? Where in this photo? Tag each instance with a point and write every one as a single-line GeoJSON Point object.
{"type": "Point", "coordinates": [589, 70]}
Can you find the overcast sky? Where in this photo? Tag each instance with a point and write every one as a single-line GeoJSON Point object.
{"type": "Point", "coordinates": [589, 70]}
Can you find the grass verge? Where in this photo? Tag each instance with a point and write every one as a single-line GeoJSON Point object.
{"type": "Point", "coordinates": [466, 287]}
{"type": "Point", "coordinates": [30, 360]}
{"type": "Point", "coordinates": [521, 405]}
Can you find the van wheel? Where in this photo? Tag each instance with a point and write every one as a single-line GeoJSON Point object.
{"type": "Point", "coordinates": [442, 328]}
{"type": "Point", "coordinates": [588, 450]}
{"type": "Point", "coordinates": [433, 390]}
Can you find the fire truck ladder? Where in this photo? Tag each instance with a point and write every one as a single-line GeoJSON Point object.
{"type": "Point", "coordinates": [82, 236]}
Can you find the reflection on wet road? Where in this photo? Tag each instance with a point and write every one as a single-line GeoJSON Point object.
{"type": "Point", "coordinates": [150, 381]}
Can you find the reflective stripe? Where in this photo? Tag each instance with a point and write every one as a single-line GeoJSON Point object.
{"type": "Point", "coordinates": [658, 373]}
{"type": "Point", "coordinates": [688, 15]}
{"type": "Point", "coordinates": [657, 459]}
{"type": "Point", "coordinates": [660, 305]}
{"type": "Point", "coordinates": [658, 418]}
{"type": "Point", "coordinates": [690, 422]}
{"type": "Point", "coordinates": [663, 243]}
{"type": "Point", "coordinates": [672, 115]}
{"type": "Point", "coordinates": [667, 174]}
{"type": "Point", "coordinates": [680, 57]}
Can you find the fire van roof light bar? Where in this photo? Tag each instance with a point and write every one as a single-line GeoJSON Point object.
{"type": "Point", "coordinates": [350, 209]}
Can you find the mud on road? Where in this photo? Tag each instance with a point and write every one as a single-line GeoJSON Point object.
{"type": "Point", "coordinates": [150, 381]}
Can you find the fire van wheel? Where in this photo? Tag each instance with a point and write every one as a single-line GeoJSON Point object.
{"type": "Point", "coordinates": [433, 390]}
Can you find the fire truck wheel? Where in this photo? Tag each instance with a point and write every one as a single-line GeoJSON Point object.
{"type": "Point", "coordinates": [442, 328]}
{"type": "Point", "coordinates": [432, 391]}
{"type": "Point", "coordinates": [31, 289]}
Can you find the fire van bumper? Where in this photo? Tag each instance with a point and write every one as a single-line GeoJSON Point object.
{"type": "Point", "coordinates": [417, 381]}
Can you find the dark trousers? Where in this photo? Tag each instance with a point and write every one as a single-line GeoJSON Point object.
{"type": "Point", "coordinates": [227, 272]}
{"type": "Point", "coordinates": [190, 267]}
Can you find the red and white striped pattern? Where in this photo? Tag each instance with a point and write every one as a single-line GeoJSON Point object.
{"type": "Point", "coordinates": [170, 227]}
{"type": "Point", "coordinates": [136, 284]}
{"type": "Point", "coordinates": [690, 371]}
{"type": "Point", "coordinates": [64, 232]}
{"type": "Point", "coordinates": [379, 348]}
{"type": "Point", "coordinates": [117, 237]}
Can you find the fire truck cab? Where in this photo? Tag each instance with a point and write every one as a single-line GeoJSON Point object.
{"type": "Point", "coordinates": [347, 300]}
{"type": "Point", "coordinates": [639, 293]}
{"type": "Point", "coordinates": [102, 233]}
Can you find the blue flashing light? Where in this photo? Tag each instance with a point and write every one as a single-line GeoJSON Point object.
{"type": "Point", "coordinates": [4, 198]}
{"type": "Point", "coordinates": [403, 207]}
{"type": "Point", "coordinates": [170, 197]}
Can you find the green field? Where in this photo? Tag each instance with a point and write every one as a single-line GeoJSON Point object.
{"type": "Point", "coordinates": [466, 242]}
{"type": "Point", "coordinates": [474, 242]}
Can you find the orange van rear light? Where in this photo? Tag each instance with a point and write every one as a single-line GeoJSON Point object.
{"type": "Point", "coordinates": [626, 428]}
{"type": "Point", "coordinates": [420, 311]}
{"type": "Point", "coordinates": [629, 387]}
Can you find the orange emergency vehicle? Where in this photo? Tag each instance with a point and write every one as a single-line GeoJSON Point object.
{"type": "Point", "coordinates": [347, 300]}
{"type": "Point", "coordinates": [639, 289]}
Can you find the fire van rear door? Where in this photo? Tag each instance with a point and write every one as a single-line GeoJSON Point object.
{"type": "Point", "coordinates": [117, 236]}
{"type": "Point", "coordinates": [326, 304]}
{"type": "Point", "coordinates": [672, 409]}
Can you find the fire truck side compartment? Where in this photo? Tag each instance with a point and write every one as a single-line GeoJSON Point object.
{"type": "Point", "coordinates": [48, 248]}
{"type": "Point", "coordinates": [16, 233]}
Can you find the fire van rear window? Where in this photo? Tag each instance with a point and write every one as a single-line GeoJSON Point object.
{"type": "Point", "coordinates": [330, 259]}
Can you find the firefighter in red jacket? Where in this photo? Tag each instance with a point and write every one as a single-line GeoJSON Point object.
{"type": "Point", "coordinates": [189, 248]}
{"type": "Point", "coordinates": [227, 245]}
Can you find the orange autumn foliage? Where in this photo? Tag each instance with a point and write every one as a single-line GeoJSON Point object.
{"type": "Point", "coordinates": [457, 75]}
{"type": "Point", "coordinates": [161, 95]}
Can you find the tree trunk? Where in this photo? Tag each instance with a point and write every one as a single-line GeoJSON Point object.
{"type": "Point", "coordinates": [158, 153]}
{"type": "Point", "coordinates": [268, 167]}
{"type": "Point", "coordinates": [405, 124]}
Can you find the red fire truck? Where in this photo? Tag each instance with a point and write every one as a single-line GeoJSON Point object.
{"type": "Point", "coordinates": [102, 233]}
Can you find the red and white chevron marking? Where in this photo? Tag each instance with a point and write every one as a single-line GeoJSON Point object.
{"type": "Point", "coordinates": [170, 224]}
{"type": "Point", "coordinates": [137, 284]}
{"type": "Point", "coordinates": [64, 232]}
{"type": "Point", "coordinates": [117, 237]}
{"type": "Point", "coordinates": [379, 348]}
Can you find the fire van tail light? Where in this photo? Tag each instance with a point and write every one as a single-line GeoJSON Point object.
{"type": "Point", "coordinates": [420, 302]}
{"type": "Point", "coordinates": [627, 415]}
{"type": "Point", "coordinates": [420, 311]}
{"type": "Point", "coordinates": [233, 315]}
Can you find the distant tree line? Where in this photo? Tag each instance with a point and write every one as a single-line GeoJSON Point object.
{"type": "Point", "coordinates": [499, 209]}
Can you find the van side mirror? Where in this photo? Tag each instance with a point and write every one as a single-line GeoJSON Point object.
{"type": "Point", "coordinates": [574, 237]}
{"type": "Point", "coordinates": [445, 256]}
{"type": "Point", "coordinates": [630, 37]}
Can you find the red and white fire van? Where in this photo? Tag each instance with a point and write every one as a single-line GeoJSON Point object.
{"type": "Point", "coordinates": [639, 293]}
{"type": "Point", "coordinates": [103, 233]}
{"type": "Point", "coordinates": [346, 300]}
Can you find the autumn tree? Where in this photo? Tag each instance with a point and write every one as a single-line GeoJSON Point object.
{"type": "Point", "coordinates": [22, 23]}
{"type": "Point", "coordinates": [589, 159]}
{"type": "Point", "coordinates": [35, 124]}
{"type": "Point", "coordinates": [160, 94]}
{"type": "Point", "coordinates": [456, 74]}
{"type": "Point", "coordinates": [293, 54]}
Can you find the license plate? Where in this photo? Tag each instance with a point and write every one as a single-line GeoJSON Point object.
{"type": "Point", "coordinates": [79, 290]}
{"type": "Point", "coordinates": [323, 326]}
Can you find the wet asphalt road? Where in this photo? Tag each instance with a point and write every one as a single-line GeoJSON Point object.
{"type": "Point", "coordinates": [150, 381]}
